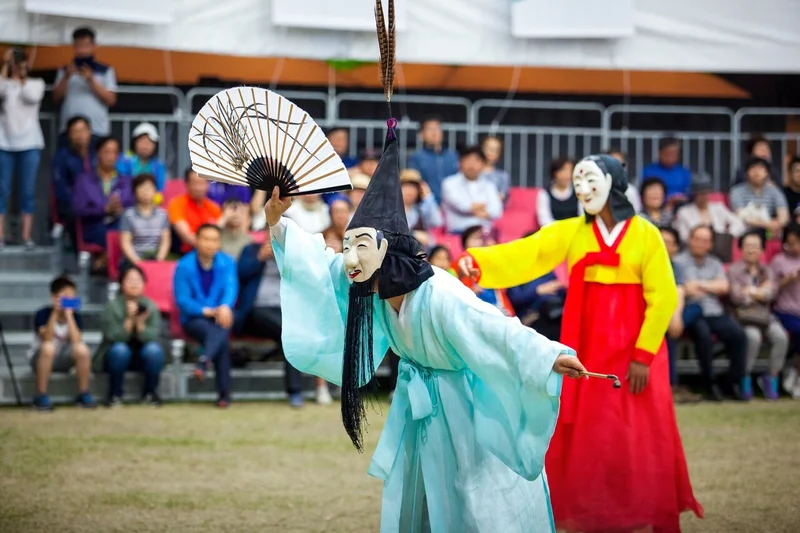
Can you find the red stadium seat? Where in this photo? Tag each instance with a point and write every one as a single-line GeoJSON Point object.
{"type": "Point", "coordinates": [514, 225]}
{"type": "Point", "coordinates": [173, 188]}
{"type": "Point", "coordinates": [259, 236]}
{"type": "Point", "coordinates": [81, 244]}
{"type": "Point", "coordinates": [773, 249]}
{"type": "Point", "coordinates": [719, 197]}
{"type": "Point", "coordinates": [159, 283]}
{"type": "Point", "coordinates": [114, 251]}
{"type": "Point", "coordinates": [522, 199]}
{"type": "Point", "coordinates": [453, 243]}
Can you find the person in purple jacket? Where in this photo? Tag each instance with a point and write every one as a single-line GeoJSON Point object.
{"type": "Point", "coordinates": [101, 194]}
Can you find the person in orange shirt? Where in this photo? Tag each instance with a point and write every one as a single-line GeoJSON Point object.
{"type": "Point", "coordinates": [191, 210]}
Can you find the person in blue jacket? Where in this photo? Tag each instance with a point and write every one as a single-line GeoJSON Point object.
{"type": "Point", "coordinates": [206, 286]}
{"type": "Point", "coordinates": [433, 161]}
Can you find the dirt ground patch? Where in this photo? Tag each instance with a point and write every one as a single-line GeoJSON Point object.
{"type": "Point", "coordinates": [261, 467]}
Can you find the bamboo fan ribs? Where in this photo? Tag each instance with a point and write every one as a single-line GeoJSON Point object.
{"type": "Point", "coordinates": [256, 138]}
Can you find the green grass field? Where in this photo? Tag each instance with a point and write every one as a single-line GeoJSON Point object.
{"type": "Point", "coordinates": [261, 467]}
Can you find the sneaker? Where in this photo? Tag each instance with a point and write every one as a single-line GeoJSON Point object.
{"type": "Point", "coordinates": [224, 402]}
{"type": "Point", "coordinates": [152, 398]}
{"type": "Point", "coordinates": [714, 394]}
{"type": "Point", "coordinates": [30, 245]}
{"type": "Point", "coordinates": [790, 380]}
{"type": "Point", "coordinates": [324, 395]}
{"type": "Point", "coordinates": [769, 384]}
{"type": "Point", "coordinates": [42, 403]}
{"type": "Point", "coordinates": [296, 400]}
{"type": "Point", "coordinates": [746, 388]}
{"type": "Point", "coordinates": [200, 369]}
{"type": "Point", "coordinates": [85, 400]}
{"type": "Point", "coordinates": [114, 401]}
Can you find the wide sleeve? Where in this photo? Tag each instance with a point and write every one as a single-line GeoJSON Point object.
{"type": "Point", "coordinates": [314, 301]}
{"type": "Point", "coordinates": [515, 392]}
{"type": "Point", "coordinates": [518, 262]}
{"type": "Point", "coordinates": [660, 296]}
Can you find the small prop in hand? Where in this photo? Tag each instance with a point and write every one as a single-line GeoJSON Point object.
{"type": "Point", "coordinates": [611, 377]}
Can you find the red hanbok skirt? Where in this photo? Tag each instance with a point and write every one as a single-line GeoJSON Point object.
{"type": "Point", "coordinates": [616, 461]}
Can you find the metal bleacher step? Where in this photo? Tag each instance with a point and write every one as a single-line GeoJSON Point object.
{"type": "Point", "coordinates": [19, 342]}
{"type": "Point", "coordinates": [17, 258]}
{"type": "Point", "coordinates": [16, 314]}
{"type": "Point", "coordinates": [25, 285]}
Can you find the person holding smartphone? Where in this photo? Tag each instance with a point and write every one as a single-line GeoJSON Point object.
{"type": "Point", "coordinates": [21, 138]}
{"type": "Point", "coordinates": [58, 344]}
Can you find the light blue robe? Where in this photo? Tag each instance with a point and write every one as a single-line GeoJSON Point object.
{"type": "Point", "coordinates": [476, 399]}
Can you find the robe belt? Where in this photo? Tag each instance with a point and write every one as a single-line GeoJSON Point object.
{"type": "Point", "coordinates": [412, 393]}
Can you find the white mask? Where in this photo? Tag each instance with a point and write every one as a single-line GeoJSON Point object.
{"type": "Point", "coordinates": [363, 254]}
{"type": "Point", "coordinates": [592, 187]}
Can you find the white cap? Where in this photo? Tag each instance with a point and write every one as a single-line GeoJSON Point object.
{"type": "Point", "coordinates": [145, 128]}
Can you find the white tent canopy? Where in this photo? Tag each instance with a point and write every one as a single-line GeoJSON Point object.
{"type": "Point", "coordinates": [682, 35]}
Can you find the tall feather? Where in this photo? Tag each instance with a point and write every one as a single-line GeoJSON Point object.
{"type": "Point", "coordinates": [387, 41]}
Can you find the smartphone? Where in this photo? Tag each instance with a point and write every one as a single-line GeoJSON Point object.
{"type": "Point", "coordinates": [142, 309]}
{"type": "Point", "coordinates": [71, 303]}
{"type": "Point", "coordinates": [81, 61]}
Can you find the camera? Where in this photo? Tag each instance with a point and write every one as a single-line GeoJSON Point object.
{"type": "Point", "coordinates": [17, 55]}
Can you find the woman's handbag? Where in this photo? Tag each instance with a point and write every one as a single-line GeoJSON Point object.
{"type": "Point", "coordinates": [757, 315]}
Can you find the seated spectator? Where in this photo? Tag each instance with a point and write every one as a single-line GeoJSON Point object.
{"type": "Point", "coordinates": [131, 327]}
{"type": "Point", "coordinates": [86, 87]}
{"type": "Point", "coordinates": [631, 193]}
{"type": "Point", "coordinates": [439, 256]}
{"type": "Point", "coordinates": [539, 304]}
{"type": "Point", "coordinates": [677, 179]}
{"type": "Point", "coordinates": [102, 195]}
{"type": "Point", "coordinates": [143, 157]}
{"type": "Point", "coordinates": [433, 161]}
{"type": "Point", "coordinates": [206, 286]}
{"type": "Point", "coordinates": [21, 138]}
{"type": "Point", "coordinates": [258, 310]}
{"type": "Point", "coordinates": [759, 203]}
{"type": "Point", "coordinates": [58, 345]}
{"type": "Point", "coordinates": [144, 229]}
{"type": "Point", "coordinates": [792, 189]}
{"type": "Point", "coordinates": [70, 161]}
{"type": "Point", "coordinates": [758, 146]}
{"type": "Point", "coordinates": [341, 211]}
{"type": "Point", "coordinates": [474, 237]}
{"type": "Point", "coordinates": [191, 210]}
{"type": "Point", "coordinates": [654, 207]}
{"type": "Point", "coordinates": [493, 148]}
{"type": "Point", "coordinates": [340, 141]}
{"type": "Point", "coordinates": [558, 201]}
{"type": "Point", "coordinates": [786, 267]}
{"type": "Point", "coordinates": [684, 314]}
{"type": "Point", "coordinates": [421, 210]}
{"type": "Point", "coordinates": [368, 161]}
{"type": "Point", "coordinates": [360, 183]}
{"type": "Point", "coordinates": [469, 199]}
{"type": "Point", "coordinates": [705, 284]}
{"type": "Point", "coordinates": [701, 212]}
{"type": "Point", "coordinates": [310, 213]}
{"type": "Point", "coordinates": [234, 229]}
{"type": "Point", "coordinates": [752, 291]}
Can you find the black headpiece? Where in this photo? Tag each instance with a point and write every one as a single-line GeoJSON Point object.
{"type": "Point", "coordinates": [621, 207]}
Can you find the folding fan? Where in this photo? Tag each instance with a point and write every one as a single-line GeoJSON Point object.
{"type": "Point", "coordinates": [256, 138]}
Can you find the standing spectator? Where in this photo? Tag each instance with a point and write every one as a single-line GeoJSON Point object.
{"type": "Point", "coordinates": [191, 210]}
{"type": "Point", "coordinates": [86, 87]}
{"type": "Point", "coordinates": [433, 161]}
{"type": "Point", "coordinates": [340, 141]}
{"type": "Point", "coordinates": [701, 212]}
{"type": "Point", "coordinates": [493, 148]}
{"type": "Point", "coordinates": [786, 267]}
{"type": "Point", "coordinates": [70, 161]}
{"type": "Point", "coordinates": [631, 193]}
{"type": "Point", "coordinates": [558, 201]}
{"type": "Point", "coordinates": [677, 178]}
{"type": "Point", "coordinates": [21, 138]}
{"type": "Point", "coordinates": [360, 183]}
{"type": "Point", "coordinates": [752, 291]}
{"type": "Point", "coordinates": [468, 198]}
{"type": "Point", "coordinates": [143, 156]}
{"type": "Point", "coordinates": [758, 146]}
{"type": "Point", "coordinates": [258, 310]}
{"type": "Point", "coordinates": [131, 327]}
{"type": "Point", "coordinates": [234, 229]}
{"type": "Point", "coordinates": [101, 195]}
{"type": "Point", "coordinates": [654, 207]}
{"type": "Point", "coordinates": [310, 213]}
{"type": "Point", "coordinates": [144, 229]}
{"type": "Point", "coordinates": [705, 284]}
{"type": "Point", "coordinates": [341, 211]}
{"type": "Point", "coordinates": [759, 203]}
{"type": "Point", "coordinates": [792, 189]}
{"type": "Point", "coordinates": [422, 212]}
{"type": "Point", "coordinates": [206, 286]}
{"type": "Point", "coordinates": [58, 345]}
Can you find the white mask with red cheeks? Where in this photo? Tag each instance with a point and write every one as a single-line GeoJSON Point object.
{"type": "Point", "coordinates": [592, 186]}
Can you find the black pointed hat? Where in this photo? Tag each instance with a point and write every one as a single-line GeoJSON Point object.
{"type": "Point", "coordinates": [382, 206]}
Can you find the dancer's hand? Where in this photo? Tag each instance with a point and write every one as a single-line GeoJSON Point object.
{"type": "Point", "coordinates": [637, 376]}
{"type": "Point", "coordinates": [276, 207]}
{"type": "Point", "coordinates": [466, 268]}
{"type": "Point", "coordinates": [568, 365]}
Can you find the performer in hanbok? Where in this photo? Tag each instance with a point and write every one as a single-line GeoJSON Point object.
{"type": "Point", "coordinates": [616, 462]}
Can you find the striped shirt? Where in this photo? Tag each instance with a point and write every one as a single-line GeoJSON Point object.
{"type": "Point", "coordinates": [769, 198]}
